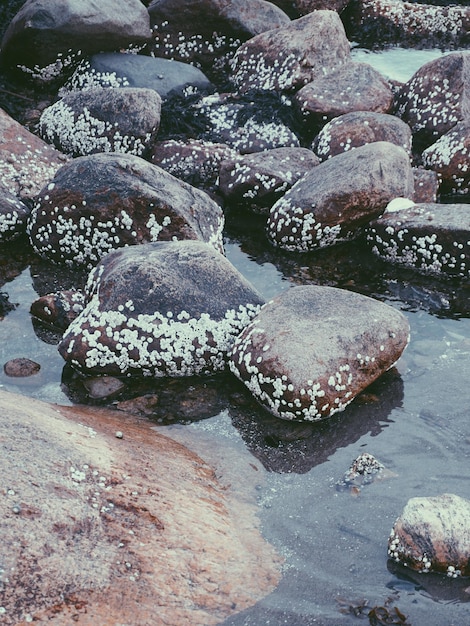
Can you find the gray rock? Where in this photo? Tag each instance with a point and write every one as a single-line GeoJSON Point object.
{"type": "Point", "coordinates": [432, 534]}
{"type": "Point", "coordinates": [318, 212]}
{"type": "Point", "coordinates": [287, 58]}
{"type": "Point", "coordinates": [101, 202]}
{"type": "Point", "coordinates": [312, 349]}
{"type": "Point", "coordinates": [163, 309]}
{"type": "Point", "coordinates": [426, 185]}
{"type": "Point", "coordinates": [102, 120]}
{"type": "Point", "coordinates": [431, 238]}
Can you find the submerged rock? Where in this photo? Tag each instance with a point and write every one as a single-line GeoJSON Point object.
{"type": "Point", "coordinates": [311, 350]}
{"type": "Point", "coordinates": [21, 368]}
{"type": "Point", "coordinates": [433, 535]}
{"type": "Point", "coordinates": [164, 309]}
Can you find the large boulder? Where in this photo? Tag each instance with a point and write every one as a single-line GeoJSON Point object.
{"type": "Point", "coordinates": [46, 37]}
{"type": "Point", "coordinates": [101, 202]}
{"type": "Point", "coordinates": [431, 238]}
{"type": "Point", "coordinates": [312, 349]}
{"type": "Point", "coordinates": [102, 120]}
{"type": "Point", "coordinates": [287, 58]}
{"type": "Point", "coordinates": [318, 212]}
{"type": "Point", "coordinates": [163, 309]}
{"type": "Point", "coordinates": [432, 534]}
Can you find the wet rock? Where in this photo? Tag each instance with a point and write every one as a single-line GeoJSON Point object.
{"type": "Point", "coordinates": [431, 238]}
{"type": "Point", "coordinates": [13, 216]}
{"type": "Point", "coordinates": [164, 309]}
{"type": "Point", "coordinates": [138, 530]}
{"type": "Point", "coordinates": [195, 161]}
{"type": "Point", "coordinates": [427, 184]}
{"type": "Point", "coordinates": [317, 212]}
{"type": "Point", "coordinates": [351, 87]}
{"type": "Point", "coordinates": [433, 535]}
{"type": "Point", "coordinates": [311, 350]}
{"type": "Point", "coordinates": [101, 202]}
{"type": "Point", "coordinates": [102, 120]}
{"type": "Point", "coordinates": [449, 158]}
{"type": "Point", "coordinates": [436, 98]}
{"type": "Point", "coordinates": [409, 24]}
{"type": "Point", "coordinates": [287, 58]}
{"type": "Point", "coordinates": [103, 387]}
{"type": "Point", "coordinates": [364, 470]}
{"type": "Point", "coordinates": [258, 180]}
{"type": "Point", "coordinates": [359, 128]}
{"type": "Point", "coordinates": [27, 162]}
{"type": "Point", "coordinates": [21, 368]}
{"type": "Point", "coordinates": [115, 69]}
{"type": "Point", "coordinates": [47, 37]}
{"type": "Point", "coordinates": [59, 309]}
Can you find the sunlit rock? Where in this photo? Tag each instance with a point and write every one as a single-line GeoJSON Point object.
{"type": "Point", "coordinates": [312, 349]}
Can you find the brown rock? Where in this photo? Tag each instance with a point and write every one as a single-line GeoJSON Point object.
{"type": "Point", "coordinates": [21, 368]}
{"type": "Point", "coordinates": [426, 185]}
{"type": "Point", "coordinates": [58, 309]}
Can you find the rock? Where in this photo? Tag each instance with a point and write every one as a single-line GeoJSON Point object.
{"type": "Point", "coordinates": [258, 180]}
{"type": "Point", "coordinates": [409, 24]}
{"type": "Point", "coordinates": [103, 387]}
{"type": "Point", "coordinates": [115, 69]}
{"type": "Point", "coordinates": [102, 120]}
{"type": "Point", "coordinates": [436, 98]}
{"type": "Point", "coordinates": [101, 202]}
{"type": "Point", "coordinates": [351, 87]}
{"type": "Point", "coordinates": [359, 128]}
{"type": "Point", "coordinates": [287, 58]}
{"type": "Point", "coordinates": [138, 530]}
{"type": "Point", "coordinates": [449, 158]}
{"type": "Point", "coordinates": [364, 470]}
{"type": "Point", "coordinates": [21, 368]}
{"type": "Point", "coordinates": [317, 212]}
{"type": "Point", "coordinates": [164, 309]}
{"type": "Point", "coordinates": [431, 238]}
{"type": "Point", "coordinates": [27, 162]}
{"type": "Point", "coordinates": [311, 350]}
{"type": "Point", "coordinates": [48, 37]}
{"type": "Point", "coordinates": [433, 535]}
{"type": "Point", "coordinates": [195, 161]}
{"type": "Point", "coordinates": [58, 309]}
{"type": "Point", "coordinates": [13, 215]}
{"type": "Point", "coordinates": [426, 185]}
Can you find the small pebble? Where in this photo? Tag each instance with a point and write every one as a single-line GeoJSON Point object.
{"type": "Point", "coordinates": [119, 434]}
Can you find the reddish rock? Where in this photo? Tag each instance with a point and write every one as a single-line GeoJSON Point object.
{"type": "Point", "coordinates": [426, 185]}
{"type": "Point", "coordinates": [58, 309]}
{"type": "Point", "coordinates": [21, 368]}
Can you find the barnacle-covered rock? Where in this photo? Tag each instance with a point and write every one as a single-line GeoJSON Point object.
{"type": "Point", "coordinates": [59, 309]}
{"type": "Point", "coordinates": [162, 309]}
{"type": "Point", "coordinates": [102, 120]}
{"type": "Point", "coordinates": [287, 58]}
{"type": "Point", "coordinates": [449, 156]}
{"type": "Point", "coordinates": [48, 37]}
{"type": "Point", "coordinates": [436, 97]}
{"type": "Point", "coordinates": [431, 238]}
{"type": "Point", "coordinates": [101, 202]}
{"type": "Point", "coordinates": [433, 535]}
{"type": "Point", "coordinates": [350, 87]}
{"type": "Point", "coordinates": [118, 69]}
{"type": "Point", "coordinates": [258, 180]}
{"type": "Point", "coordinates": [312, 349]}
{"type": "Point", "coordinates": [318, 211]}
{"type": "Point", "coordinates": [27, 162]}
{"type": "Point", "coordinates": [13, 215]}
{"type": "Point", "coordinates": [358, 128]}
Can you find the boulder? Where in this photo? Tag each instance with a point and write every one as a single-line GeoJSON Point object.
{"type": "Point", "coordinates": [318, 212]}
{"type": "Point", "coordinates": [27, 162]}
{"type": "Point", "coordinates": [258, 180]}
{"type": "Point", "coordinates": [162, 309]}
{"type": "Point", "coordinates": [102, 120]}
{"type": "Point", "coordinates": [287, 58]}
{"type": "Point", "coordinates": [101, 202]}
{"type": "Point", "coordinates": [431, 238]}
{"type": "Point", "coordinates": [449, 158]}
{"type": "Point", "coordinates": [312, 349]}
{"type": "Point", "coordinates": [359, 128]}
{"type": "Point", "coordinates": [14, 215]}
{"type": "Point", "coordinates": [436, 97]}
{"type": "Point", "coordinates": [351, 87]}
{"type": "Point", "coordinates": [47, 37]}
{"type": "Point", "coordinates": [117, 69]}
{"type": "Point", "coordinates": [433, 535]}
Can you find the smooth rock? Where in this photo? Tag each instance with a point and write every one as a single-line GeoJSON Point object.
{"type": "Point", "coordinates": [21, 368]}
{"type": "Point", "coordinates": [162, 309]}
{"type": "Point", "coordinates": [311, 350]}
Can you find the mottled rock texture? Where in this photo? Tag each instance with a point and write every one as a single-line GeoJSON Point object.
{"type": "Point", "coordinates": [101, 202]}
{"type": "Point", "coordinates": [312, 349]}
{"type": "Point", "coordinates": [449, 157]}
{"type": "Point", "coordinates": [13, 215]}
{"type": "Point", "coordinates": [164, 309]}
{"type": "Point", "coordinates": [100, 530]}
